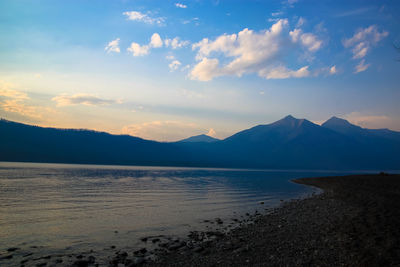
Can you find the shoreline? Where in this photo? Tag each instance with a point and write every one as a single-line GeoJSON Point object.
{"type": "Point", "coordinates": [351, 220]}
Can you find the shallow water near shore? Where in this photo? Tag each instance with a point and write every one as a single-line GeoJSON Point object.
{"type": "Point", "coordinates": [62, 208]}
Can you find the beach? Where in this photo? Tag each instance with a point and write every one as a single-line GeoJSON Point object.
{"type": "Point", "coordinates": [354, 222]}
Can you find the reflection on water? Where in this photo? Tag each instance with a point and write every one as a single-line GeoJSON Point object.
{"type": "Point", "coordinates": [81, 206]}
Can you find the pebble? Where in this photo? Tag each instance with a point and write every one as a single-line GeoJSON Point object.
{"type": "Point", "coordinates": [198, 249]}
{"type": "Point", "coordinates": [176, 246]}
{"type": "Point", "coordinates": [80, 263]}
{"type": "Point", "coordinates": [92, 259]}
{"type": "Point", "coordinates": [139, 260]}
{"type": "Point", "coordinates": [7, 257]}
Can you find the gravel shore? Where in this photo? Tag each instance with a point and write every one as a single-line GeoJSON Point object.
{"type": "Point", "coordinates": [354, 222]}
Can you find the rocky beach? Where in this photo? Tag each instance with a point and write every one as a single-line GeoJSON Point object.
{"type": "Point", "coordinates": [353, 222]}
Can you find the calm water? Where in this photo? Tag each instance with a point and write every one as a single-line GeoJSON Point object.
{"type": "Point", "coordinates": [60, 207]}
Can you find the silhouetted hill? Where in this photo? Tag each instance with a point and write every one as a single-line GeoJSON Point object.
{"type": "Point", "coordinates": [289, 143]}
{"type": "Point", "coordinates": [346, 128]}
{"type": "Point", "coordinates": [200, 138]}
{"type": "Point", "coordinates": [20, 142]}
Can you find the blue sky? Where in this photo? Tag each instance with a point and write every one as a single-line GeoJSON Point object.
{"type": "Point", "coordinates": [166, 70]}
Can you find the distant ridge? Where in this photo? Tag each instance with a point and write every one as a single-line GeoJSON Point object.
{"type": "Point", "coordinates": [344, 127]}
{"type": "Point", "coordinates": [288, 143]}
{"type": "Point", "coordinates": [341, 126]}
{"type": "Point", "coordinates": [200, 138]}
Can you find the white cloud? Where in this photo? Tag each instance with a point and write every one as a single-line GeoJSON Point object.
{"type": "Point", "coordinates": [362, 41]}
{"type": "Point", "coordinates": [180, 5]}
{"type": "Point", "coordinates": [276, 14]}
{"type": "Point", "coordinates": [333, 70]}
{"type": "Point", "coordinates": [82, 99]}
{"type": "Point", "coordinates": [206, 70]}
{"type": "Point", "coordinates": [360, 50]}
{"type": "Point", "coordinates": [113, 46]}
{"type": "Point", "coordinates": [251, 52]}
{"type": "Point", "coordinates": [282, 72]}
{"type": "Point", "coordinates": [175, 43]}
{"type": "Point", "coordinates": [164, 130]}
{"type": "Point", "coordinates": [308, 40]}
{"type": "Point", "coordinates": [361, 67]}
{"type": "Point", "coordinates": [174, 65]}
{"type": "Point", "coordinates": [212, 133]}
{"type": "Point", "coordinates": [138, 16]}
{"type": "Point", "coordinates": [156, 40]}
{"type": "Point", "coordinates": [138, 50]}
{"type": "Point", "coordinates": [142, 50]}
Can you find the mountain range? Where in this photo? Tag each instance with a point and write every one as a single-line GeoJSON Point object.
{"type": "Point", "coordinates": [288, 143]}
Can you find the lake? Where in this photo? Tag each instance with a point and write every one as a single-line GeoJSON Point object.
{"type": "Point", "coordinates": [62, 208]}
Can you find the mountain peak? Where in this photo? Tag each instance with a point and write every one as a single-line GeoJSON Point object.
{"type": "Point", "coordinates": [337, 121]}
{"type": "Point", "coordinates": [289, 118]}
{"type": "Point", "coordinates": [341, 125]}
{"type": "Point", "coordinates": [199, 138]}
{"type": "Point", "coordinates": [290, 121]}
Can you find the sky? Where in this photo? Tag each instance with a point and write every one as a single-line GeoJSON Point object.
{"type": "Point", "coordinates": [166, 70]}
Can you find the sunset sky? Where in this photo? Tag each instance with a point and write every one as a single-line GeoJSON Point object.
{"type": "Point", "coordinates": [166, 70]}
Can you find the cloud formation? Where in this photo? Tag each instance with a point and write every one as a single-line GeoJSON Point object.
{"type": "Point", "coordinates": [252, 52]}
{"type": "Point", "coordinates": [138, 16]}
{"type": "Point", "coordinates": [82, 99]}
{"type": "Point", "coordinates": [308, 40]}
{"type": "Point", "coordinates": [361, 66]}
{"type": "Point", "coordinates": [15, 102]}
{"type": "Point", "coordinates": [113, 46]}
{"type": "Point", "coordinates": [282, 72]}
{"type": "Point", "coordinates": [6, 92]}
{"type": "Point", "coordinates": [155, 42]}
{"type": "Point", "coordinates": [362, 41]}
{"type": "Point", "coordinates": [212, 133]}
{"type": "Point", "coordinates": [371, 121]}
{"type": "Point", "coordinates": [174, 65]}
{"type": "Point", "coordinates": [180, 5]}
{"type": "Point", "coordinates": [333, 70]}
{"type": "Point", "coordinates": [176, 43]}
